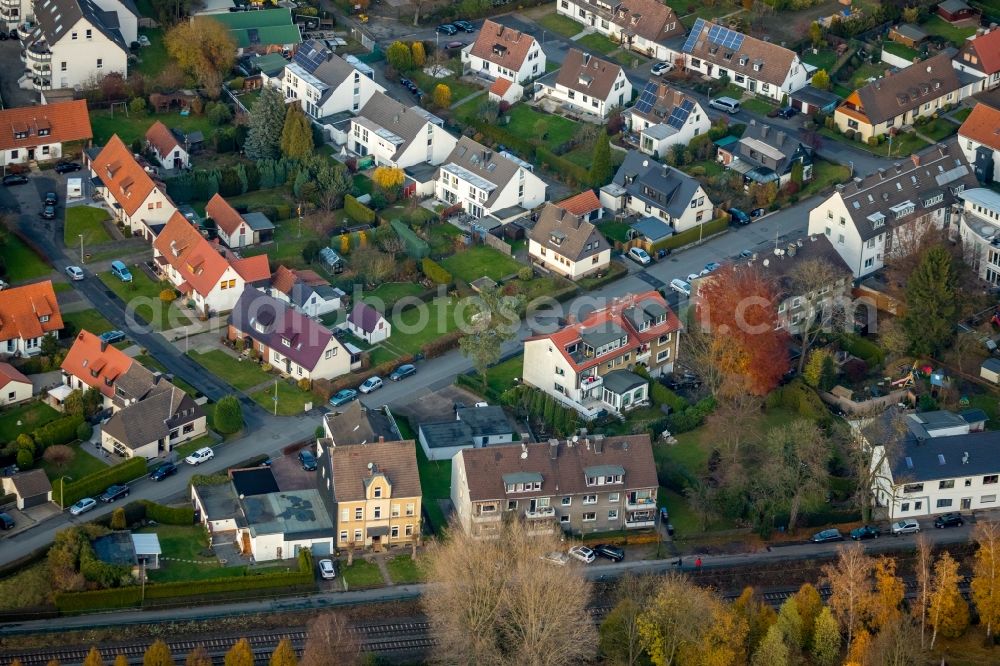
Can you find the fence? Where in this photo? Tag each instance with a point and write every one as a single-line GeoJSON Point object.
{"type": "Point", "coordinates": [496, 243]}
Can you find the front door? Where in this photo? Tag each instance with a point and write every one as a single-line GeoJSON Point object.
{"type": "Point", "coordinates": [31, 153]}
{"type": "Point", "coordinates": [531, 505]}
{"type": "Point", "coordinates": [966, 503]}
{"type": "Point", "coordinates": [377, 544]}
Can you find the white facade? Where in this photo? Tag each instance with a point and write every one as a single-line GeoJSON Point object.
{"type": "Point", "coordinates": [15, 391]}
{"type": "Point", "coordinates": [979, 229]}
{"type": "Point", "coordinates": [383, 329]}
{"type": "Point", "coordinates": [82, 54]}
{"type": "Point", "coordinates": [41, 152]}
{"type": "Point", "coordinates": [15, 12]}
{"type": "Point", "coordinates": [796, 77]}
{"type": "Point", "coordinates": [658, 138]}
{"type": "Point", "coordinates": [525, 189]}
{"type": "Point", "coordinates": [697, 211]}
{"type": "Point", "coordinates": [532, 66]}
{"type": "Point", "coordinates": [432, 145]}
{"type": "Point", "coordinates": [318, 98]}
{"type": "Point", "coordinates": [25, 346]}
{"type": "Point", "coordinates": [223, 295]}
{"type": "Point", "coordinates": [178, 158]}
{"type": "Point", "coordinates": [583, 15]}
{"type": "Point", "coordinates": [128, 22]}
{"type": "Point", "coordinates": [572, 269]}
{"type": "Point", "coordinates": [832, 219]}
{"type": "Point", "coordinates": [333, 362]}
{"type": "Point", "coordinates": [619, 95]}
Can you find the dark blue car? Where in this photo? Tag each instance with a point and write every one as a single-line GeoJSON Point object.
{"type": "Point", "coordinates": [163, 471]}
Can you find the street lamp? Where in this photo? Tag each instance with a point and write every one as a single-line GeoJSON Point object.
{"type": "Point", "coordinates": [62, 490]}
{"type": "Point", "coordinates": [81, 248]}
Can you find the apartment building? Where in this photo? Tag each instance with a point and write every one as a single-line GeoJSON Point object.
{"type": "Point", "coordinates": [589, 365]}
{"type": "Point", "coordinates": [579, 486]}
{"type": "Point", "coordinates": [979, 229]}
{"type": "Point", "coordinates": [482, 181]}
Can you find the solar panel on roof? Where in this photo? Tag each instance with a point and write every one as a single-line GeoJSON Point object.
{"type": "Point", "coordinates": [725, 37]}
{"type": "Point", "coordinates": [692, 37]}
{"type": "Point", "coordinates": [310, 58]}
{"type": "Point", "coordinates": [680, 114]}
{"type": "Point", "coordinates": [647, 99]}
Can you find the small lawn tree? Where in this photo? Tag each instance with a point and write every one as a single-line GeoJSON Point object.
{"type": "Point", "coordinates": [418, 54]}
{"type": "Point", "coordinates": [494, 323]}
{"type": "Point", "coordinates": [399, 56]}
{"type": "Point", "coordinates": [59, 456]}
{"type": "Point", "coordinates": [228, 415]}
{"type": "Point", "coordinates": [119, 523]}
{"type": "Point", "coordinates": [821, 80]}
{"type": "Point", "coordinates": [442, 96]}
{"type": "Point", "coordinates": [296, 135]}
{"type": "Point", "coordinates": [600, 165]}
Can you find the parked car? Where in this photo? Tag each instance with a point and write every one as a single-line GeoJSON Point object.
{"type": "Point", "coordinates": [736, 216]}
{"type": "Point", "coordinates": [692, 276]}
{"type": "Point", "coordinates": [67, 167]}
{"type": "Point", "coordinates": [454, 46]}
{"type": "Point", "coordinates": [660, 68]}
{"type": "Point", "coordinates": [727, 104]}
{"type": "Point", "coordinates": [121, 271]}
{"type": "Point", "coordinates": [50, 199]}
{"type": "Point", "coordinates": [465, 26]}
{"type": "Point", "coordinates": [83, 506]}
{"type": "Point", "coordinates": [864, 532]}
{"type": "Point", "coordinates": [908, 526]}
{"type": "Point", "coordinates": [406, 83]}
{"type": "Point", "coordinates": [163, 471]}
{"type": "Point", "coordinates": [6, 522]}
{"type": "Point", "coordinates": [613, 553]}
{"type": "Point", "coordinates": [562, 559]}
{"type": "Point", "coordinates": [746, 254]}
{"type": "Point", "coordinates": [308, 460]}
{"type": "Point", "coordinates": [680, 286]}
{"type": "Point", "coordinates": [757, 212]}
{"type": "Point", "coordinates": [827, 535]}
{"type": "Point", "coordinates": [15, 179]}
{"type": "Point", "coordinates": [371, 384]}
{"type": "Point", "coordinates": [74, 272]}
{"type": "Point", "coordinates": [114, 492]}
{"type": "Point", "coordinates": [403, 371]}
{"type": "Point", "coordinates": [203, 454]}
{"type": "Point", "coordinates": [342, 397]}
{"type": "Point", "coordinates": [582, 553]}
{"type": "Point", "coordinates": [639, 256]}
{"type": "Point", "coordinates": [447, 29]}
{"type": "Point", "coordinates": [326, 569]}
{"type": "Point", "coordinates": [787, 112]}
{"type": "Point", "coordinates": [712, 266]}
{"type": "Point", "coordinates": [48, 212]}
{"type": "Point", "coordinates": [948, 520]}
{"type": "Point", "coordinates": [112, 337]}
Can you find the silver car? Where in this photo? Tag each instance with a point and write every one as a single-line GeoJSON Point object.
{"type": "Point", "coordinates": [907, 526]}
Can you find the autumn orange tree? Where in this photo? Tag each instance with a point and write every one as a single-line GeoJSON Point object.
{"type": "Point", "coordinates": [850, 589]}
{"type": "Point", "coordinates": [389, 181]}
{"type": "Point", "coordinates": [889, 591]}
{"type": "Point", "coordinates": [737, 309]}
{"type": "Point", "coordinates": [986, 574]}
{"type": "Point", "coordinates": [947, 611]}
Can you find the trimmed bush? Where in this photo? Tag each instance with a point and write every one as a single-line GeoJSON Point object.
{"type": "Point", "coordinates": [228, 416]}
{"type": "Point", "coordinates": [562, 166]}
{"type": "Point", "coordinates": [84, 431]}
{"type": "Point", "coordinates": [864, 349]}
{"type": "Point", "coordinates": [168, 515]}
{"type": "Point", "coordinates": [61, 431]}
{"type": "Point", "coordinates": [691, 417]}
{"type": "Point", "coordinates": [440, 345]}
{"type": "Point", "coordinates": [661, 395]}
{"type": "Point", "coordinates": [692, 235]}
{"type": "Point", "coordinates": [435, 272]}
{"type": "Point", "coordinates": [98, 482]}
{"type": "Point", "coordinates": [357, 211]}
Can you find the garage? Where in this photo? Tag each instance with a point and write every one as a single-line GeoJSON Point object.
{"type": "Point", "coordinates": [30, 488]}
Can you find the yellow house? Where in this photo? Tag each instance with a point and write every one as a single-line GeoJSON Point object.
{"type": "Point", "coordinates": [375, 489]}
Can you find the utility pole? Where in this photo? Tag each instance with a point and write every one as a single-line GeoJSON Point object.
{"type": "Point", "coordinates": [300, 221]}
{"type": "Point", "coordinates": [275, 397]}
{"type": "Point", "coordinates": [81, 248]}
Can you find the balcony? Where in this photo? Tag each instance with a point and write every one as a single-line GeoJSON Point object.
{"type": "Point", "coordinates": [591, 382]}
{"type": "Point", "coordinates": [643, 352]}
{"type": "Point", "coordinates": [41, 84]}
{"type": "Point", "coordinates": [488, 517]}
{"type": "Point", "coordinates": [639, 523]}
{"type": "Point", "coordinates": [540, 513]}
{"type": "Point", "coordinates": [640, 503]}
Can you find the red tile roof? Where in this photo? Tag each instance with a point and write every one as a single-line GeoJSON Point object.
{"type": "Point", "coordinates": [502, 45]}
{"type": "Point", "coordinates": [982, 126]}
{"type": "Point", "coordinates": [187, 251]}
{"type": "Point", "coordinates": [64, 121]}
{"type": "Point", "coordinates": [983, 52]}
{"type": "Point", "coordinates": [581, 204]}
{"type": "Point", "coordinates": [95, 363]}
{"type": "Point", "coordinates": [501, 86]}
{"type": "Point", "coordinates": [22, 309]}
{"type": "Point", "coordinates": [253, 269]}
{"type": "Point", "coordinates": [126, 180]}
{"type": "Point", "coordinates": [162, 139]}
{"type": "Point", "coordinates": [283, 280]}
{"type": "Point", "coordinates": [9, 373]}
{"type": "Point", "coordinates": [224, 215]}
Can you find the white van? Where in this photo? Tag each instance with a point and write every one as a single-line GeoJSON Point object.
{"type": "Point", "coordinates": [727, 104]}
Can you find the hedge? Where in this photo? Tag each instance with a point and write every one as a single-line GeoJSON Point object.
{"type": "Point", "coordinates": [796, 396]}
{"type": "Point", "coordinates": [168, 515]}
{"type": "Point", "coordinates": [357, 211]}
{"type": "Point", "coordinates": [435, 272]}
{"type": "Point", "coordinates": [61, 431]}
{"type": "Point", "coordinates": [416, 247]}
{"type": "Point", "coordinates": [661, 395]}
{"type": "Point", "coordinates": [864, 349]}
{"type": "Point", "coordinates": [98, 482]}
{"type": "Point", "coordinates": [561, 165]}
{"type": "Point", "coordinates": [709, 229]}
{"type": "Point", "coordinates": [442, 344]}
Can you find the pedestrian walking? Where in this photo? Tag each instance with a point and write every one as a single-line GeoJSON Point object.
{"type": "Point", "coordinates": [697, 564]}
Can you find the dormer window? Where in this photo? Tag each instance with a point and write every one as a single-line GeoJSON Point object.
{"type": "Point", "coordinates": [44, 131]}
{"type": "Point", "coordinates": [285, 341]}
{"type": "Point", "coordinates": [743, 61]}
{"type": "Point", "coordinates": [758, 65]}
{"type": "Point", "coordinates": [21, 134]}
{"type": "Point", "coordinates": [43, 318]}
{"type": "Point", "coordinates": [377, 492]}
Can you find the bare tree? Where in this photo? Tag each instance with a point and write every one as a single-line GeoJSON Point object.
{"type": "Point", "coordinates": [496, 601]}
{"type": "Point", "coordinates": [59, 456]}
{"type": "Point", "coordinates": [374, 265]}
{"type": "Point", "coordinates": [795, 464]}
{"type": "Point", "coordinates": [896, 644]}
{"type": "Point", "coordinates": [815, 280]}
{"type": "Point", "coordinates": [922, 568]}
{"type": "Point", "coordinates": [875, 448]}
{"type": "Point", "coordinates": [329, 640]}
{"type": "Point", "coordinates": [743, 409]}
{"type": "Point", "coordinates": [850, 580]}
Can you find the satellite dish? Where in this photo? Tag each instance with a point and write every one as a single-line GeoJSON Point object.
{"type": "Point", "coordinates": [370, 466]}
{"type": "Point", "coordinates": [524, 455]}
{"type": "Point", "coordinates": [576, 438]}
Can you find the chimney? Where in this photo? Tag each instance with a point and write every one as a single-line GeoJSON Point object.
{"type": "Point", "coordinates": [899, 167]}
{"type": "Point", "coordinates": [916, 159]}
{"type": "Point", "coordinates": [553, 449]}
{"type": "Point", "coordinates": [598, 444]}
{"type": "Point", "coordinates": [881, 173]}
{"type": "Point", "coordinates": [381, 439]}
{"type": "Point", "coordinates": [586, 59]}
{"type": "Point", "coordinates": [104, 345]}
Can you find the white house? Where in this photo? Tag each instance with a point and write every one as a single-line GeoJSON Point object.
{"type": "Point", "coordinates": [472, 427]}
{"type": "Point", "coordinates": [14, 12]}
{"type": "Point", "coordinates": [368, 323]}
{"type": "Point", "coordinates": [979, 229]}
{"type": "Point", "coordinates": [75, 41]}
{"type": "Point", "coordinates": [586, 85]}
{"type": "Point", "coordinates": [663, 117]}
{"type": "Point", "coordinates": [324, 83]}
{"type": "Point", "coordinates": [135, 198]}
{"type": "Point", "coordinates": [500, 52]}
{"type": "Point", "coordinates": [482, 181]}
{"type": "Point", "coordinates": [870, 219]}
{"type": "Point", "coordinates": [756, 66]}
{"type": "Point", "coordinates": [14, 386]}
{"type": "Point", "coordinates": [566, 244]}
{"type": "Point", "coordinates": [28, 314]}
{"type": "Point", "coordinates": [37, 133]}
{"type": "Point", "coordinates": [208, 275]}
{"type": "Point", "coordinates": [939, 462]}
{"type": "Point", "coordinates": [639, 25]}
{"type": "Point", "coordinates": [306, 291]}
{"type": "Point", "coordinates": [162, 420]}
{"type": "Point", "coordinates": [980, 57]}
{"type": "Point", "coordinates": [647, 188]}
{"type": "Point", "coordinates": [169, 149]}
{"type": "Point", "coordinates": [979, 140]}
{"type": "Point", "coordinates": [398, 136]}
{"type": "Point", "coordinates": [31, 488]}
{"type": "Point", "coordinates": [234, 229]}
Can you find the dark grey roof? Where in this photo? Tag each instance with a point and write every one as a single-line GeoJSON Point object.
{"type": "Point", "coordinates": [941, 169]}
{"type": "Point", "coordinates": [354, 423]}
{"type": "Point", "coordinates": [648, 311]}
{"type": "Point", "coordinates": [567, 234]}
{"type": "Point", "coordinates": [255, 481]}
{"type": "Point", "coordinates": [815, 96]}
{"type": "Point", "coordinates": [333, 72]}
{"type": "Point", "coordinates": [490, 420]}
{"type": "Point", "coordinates": [942, 457]}
{"type": "Point", "coordinates": [925, 424]}
{"type": "Point", "coordinates": [408, 123]}
{"type": "Point", "coordinates": [307, 339]}
{"type": "Point", "coordinates": [56, 17]}
{"type": "Point", "coordinates": [602, 334]}
{"type": "Point", "coordinates": [422, 172]}
{"type": "Point", "coordinates": [220, 502]}
{"type": "Point", "coordinates": [153, 417]}
{"type": "Point", "coordinates": [911, 31]}
{"type": "Point", "coordinates": [619, 381]}
{"type": "Point", "coordinates": [954, 6]}
{"type": "Point", "coordinates": [446, 434]}
{"type": "Point", "coordinates": [258, 221]}
{"type": "Point", "coordinates": [136, 382]}
{"type": "Point", "coordinates": [660, 185]}
{"type": "Point", "coordinates": [764, 146]}
{"type": "Point", "coordinates": [974, 416]}
{"type": "Point", "coordinates": [780, 268]}
{"type": "Point", "coordinates": [604, 470]}
{"type": "Point", "coordinates": [992, 364]}
{"type": "Point", "coordinates": [906, 90]}
{"type": "Point", "coordinates": [487, 164]}
{"type": "Point", "coordinates": [653, 228]}
{"type": "Point", "coordinates": [299, 513]}
{"type": "Point", "coordinates": [470, 423]}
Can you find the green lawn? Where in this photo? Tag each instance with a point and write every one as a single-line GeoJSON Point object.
{"type": "Point", "coordinates": [938, 129]}
{"type": "Point", "coordinates": [501, 376]}
{"type": "Point", "coordinates": [707, 167]}
{"type": "Point", "coordinates": [900, 50]}
{"type": "Point", "coordinates": [404, 570]}
{"type": "Point", "coordinates": [142, 295]}
{"type": "Point", "coordinates": [441, 237]}
{"type": "Point", "coordinates": [866, 71]}
{"type": "Point", "coordinates": [936, 25]}
{"type": "Point", "coordinates": [559, 24]}
{"type": "Point", "coordinates": [291, 399]}
{"type": "Point", "coordinates": [86, 221]}
{"type": "Point", "coordinates": [240, 374]}
{"type": "Point", "coordinates": [83, 464]}
{"type": "Point", "coordinates": [526, 122]}
{"type": "Point", "coordinates": [420, 215]}
{"type": "Point", "coordinates": [459, 89]}
{"type": "Point", "coordinates": [757, 105]}
{"type": "Point", "coordinates": [151, 363]}
{"type": "Point", "coordinates": [962, 114]}
{"type": "Point", "coordinates": [187, 448]}
{"type": "Point", "coordinates": [153, 59]}
{"type": "Point", "coordinates": [440, 319]}
{"type": "Point", "coordinates": [825, 59]}
{"type": "Point", "coordinates": [88, 320]}
{"type": "Point", "coordinates": [134, 125]}
{"type": "Point", "coordinates": [361, 574]}
{"type": "Point", "coordinates": [287, 246]}
{"type": "Point", "coordinates": [475, 262]}
{"type": "Point", "coordinates": [597, 43]}
{"type": "Point", "coordinates": [825, 174]}
{"type": "Point", "coordinates": [390, 292]}
{"type": "Point", "coordinates": [183, 555]}
{"type": "Point", "coordinates": [379, 355]}
{"type": "Point", "coordinates": [902, 144]}
{"type": "Point", "coordinates": [22, 263]}
{"type": "Point", "coordinates": [257, 199]}
{"type": "Point", "coordinates": [435, 482]}
{"type": "Point", "coordinates": [615, 231]}
{"type": "Point", "coordinates": [31, 415]}
{"type": "Point", "coordinates": [362, 183]}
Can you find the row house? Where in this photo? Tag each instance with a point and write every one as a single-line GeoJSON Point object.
{"type": "Point", "coordinates": [37, 133]}
{"type": "Point", "coordinates": [500, 52]}
{"type": "Point", "coordinates": [871, 219]}
{"type": "Point", "coordinates": [28, 314]}
{"type": "Point", "coordinates": [579, 486]}
{"type": "Point", "coordinates": [398, 136]}
{"type": "Point", "coordinates": [586, 85]}
{"type": "Point", "coordinates": [589, 365]}
{"type": "Point", "coordinates": [638, 25]}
